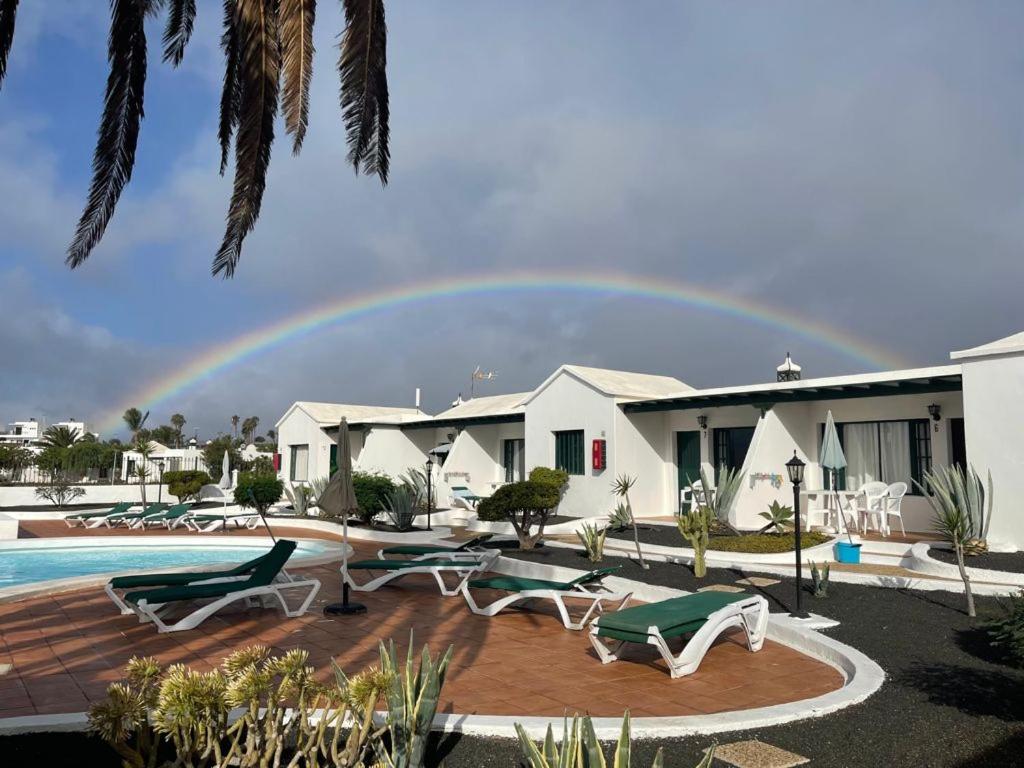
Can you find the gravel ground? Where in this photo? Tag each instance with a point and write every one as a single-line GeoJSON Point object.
{"type": "Point", "coordinates": [948, 700]}
{"type": "Point", "coordinates": [996, 561]}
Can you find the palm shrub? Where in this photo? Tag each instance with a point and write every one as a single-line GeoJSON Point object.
{"type": "Point", "coordinates": [779, 517]}
{"type": "Point", "coordinates": [412, 697]}
{"type": "Point", "coordinates": [191, 711]}
{"type": "Point", "coordinates": [962, 512]}
{"type": "Point", "coordinates": [400, 507]}
{"type": "Point", "coordinates": [580, 748]}
{"type": "Point", "coordinates": [592, 539]}
{"type": "Point", "coordinates": [1007, 631]}
{"type": "Point", "coordinates": [694, 526]}
{"type": "Point", "coordinates": [621, 487]}
{"type": "Point", "coordinates": [301, 498]}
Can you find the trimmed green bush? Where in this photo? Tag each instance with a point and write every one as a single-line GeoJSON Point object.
{"type": "Point", "coordinates": [557, 478]}
{"type": "Point", "coordinates": [1007, 632]}
{"type": "Point", "coordinates": [258, 491]}
{"type": "Point", "coordinates": [186, 484]}
{"type": "Point", "coordinates": [762, 543]}
{"type": "Point", "coordinates": [525, 504]}
{"type": "Point", "coordinates": [372, 492]}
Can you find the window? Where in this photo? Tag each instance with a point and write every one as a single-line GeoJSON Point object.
{"type": "Point", "coordinates": [731, 447]}
{"type": "Point", "coordinates": [299, 464]}
{"type": "Point", "coordinates": [514, 460]}
{"type": "Point", "coordinates": [569, 451]}
{"type": "Point", "coordinates": [886, 451]}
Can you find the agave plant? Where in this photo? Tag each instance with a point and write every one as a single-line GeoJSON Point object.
{"type": "Point", "coordinates": [962, 512]}
{"type": "Point", "coordinates": [316, 488]}
{"type": "Point", "coordinates": [779, 517]}
{"type": "Point", "coordinates": [619, 519]}
{"type": "Point", "coordinates": [268, 51]}
{"type": "Point", "coordinates": [301, 499]}
{"type": "Point", "coordinates": [592, 539]}
{"type": "Point", "coordinates": [400, 507]}
{"type": "Point", "coordinates": [725, 492]}
{"type": "Point", "coordinates": [819, 579]}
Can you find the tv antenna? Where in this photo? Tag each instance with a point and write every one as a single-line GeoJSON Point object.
{"type": "Point", "coordinates": [480, 375]}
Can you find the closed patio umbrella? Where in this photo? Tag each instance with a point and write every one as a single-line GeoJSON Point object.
{"type": "Point", "coordinates": [833, 459]}
{"type": "Point", "coordinates": [225, 470]}
{"type": "Point", "coordinates": [339, 498]}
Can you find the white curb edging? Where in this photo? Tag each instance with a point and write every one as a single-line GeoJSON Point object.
{"type": "Point", "coordinates": [925, 563]}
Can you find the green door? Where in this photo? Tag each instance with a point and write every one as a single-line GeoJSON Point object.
{"type": "Point", "coordinates": [687, 458]}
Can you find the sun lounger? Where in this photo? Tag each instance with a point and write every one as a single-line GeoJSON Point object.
{"type": "Point", "coordinates": [129, 518]}
{"type": "Point", "coordinates": [704, 615]}
{"type": "Point", "coordinates": [169, 518]}
{"type": "Point", "coordinates": [463, 566]}
{"type": "Point", "coordinates": [84, 518]}
{"type": "Point", "coordinates": [420, 551]}
{"type": "Point", "coordinates": [261, 583]}
{"type": "Point", "coordinates": [120, 584]}
{"type": "Point", "coordinates": [208, 522]}
{"type": "Point", "coordinates": [526, 589]}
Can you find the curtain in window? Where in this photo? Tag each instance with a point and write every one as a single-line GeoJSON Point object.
{"type": "Point", "coordinates": [300, 463]}
{"type": "Point", "coordinates": [895, 439]}
{"type": "Point", "coordinates": [860, 444]}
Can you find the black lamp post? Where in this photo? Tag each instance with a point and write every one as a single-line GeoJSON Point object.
{"type": "Point", "coordinates": [795, 468]}
{"type": "Point", "coordinates": [430, 474]}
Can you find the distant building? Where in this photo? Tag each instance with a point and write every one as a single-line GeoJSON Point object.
{"type": "Point", "coordinates": [28, 433]}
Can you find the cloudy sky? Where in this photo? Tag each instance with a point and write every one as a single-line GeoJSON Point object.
{"type": "Point", "coordinates": [854, 163]}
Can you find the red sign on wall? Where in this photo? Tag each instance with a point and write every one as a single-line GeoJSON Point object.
{"type": "Point", "coordinates": [599, 455]}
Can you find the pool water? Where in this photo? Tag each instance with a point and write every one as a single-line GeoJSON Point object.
{"type": "Point", "coordinates": [27, 566]}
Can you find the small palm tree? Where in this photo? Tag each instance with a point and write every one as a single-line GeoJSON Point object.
{"type": "Point", "coordinates": [60, 437]}
{"type": "Point", "coordinates": [621, 487]}
{"type": "Point", "coordinates": [145, 450]}
{"type": "Point", "coordinates": [135, 420]}
{"type": "Point", "coordinates": [178, 422]}
{"type": "Point", "coordinates": [234, 426]}
{"type": "Point", "coordinates": [268, 51]}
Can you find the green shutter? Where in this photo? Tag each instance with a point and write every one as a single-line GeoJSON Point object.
{"type": "Point", "coordinates": [569, 451]}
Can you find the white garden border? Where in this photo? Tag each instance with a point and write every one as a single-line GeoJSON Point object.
{"type": "Point", "coordinates": [925, 563]}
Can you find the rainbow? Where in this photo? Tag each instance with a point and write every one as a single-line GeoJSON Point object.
{"type": "Point", "coordinates": [308, 321]}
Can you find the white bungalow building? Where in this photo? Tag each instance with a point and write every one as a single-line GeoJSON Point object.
{"type": "Point", "coordinates": [597, 424]}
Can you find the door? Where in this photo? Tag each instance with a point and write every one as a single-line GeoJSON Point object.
{"type": "Point", "coordinates": [687, 458]}
{"type": "Point", "coordinates": [957, 443]}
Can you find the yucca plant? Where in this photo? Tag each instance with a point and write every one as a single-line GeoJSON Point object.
{"type": "Point", "coordinates": [779, 517]}
{"type": "Point", "coordinates": [301, 499]}
{"type": "Point", "coordinates": [694, 526]}
{"type": "Point", "coordinates": [592, 539]}
{"type": "Point", "coordinates": [400, 507]}
{"type": "Point", "coordinates": [962, 513]}
{"type": "Point", "coordinates": [580, 748]}
{"type": "Point", "coordinates": [621, 487]}
{"type": "Point", "coordinates": [412, 697]}
{"type": "Point", "coordinates": [268, 52]}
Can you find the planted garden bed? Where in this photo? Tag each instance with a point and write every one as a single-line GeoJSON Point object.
{"type": "Point", "coordinates": [669, 536]}
{"type": "Point", "coordinates": [1013, 562]}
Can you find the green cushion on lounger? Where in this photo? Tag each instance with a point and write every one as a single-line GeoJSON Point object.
{"type": "Point", "coordinates": [518, 584]}
{"type": "Point", "coordinates": [175, 579]}
{"type": "Point", "coordinates": [430, 549]}
{"type": "Point", "coordinates": [264, 573]}
{"type": "Point", "coordinates": [394, 565]}
{"type": "Point", "coordinates": [152, 509]}
{"type": "Point", "coordinates": [674, 617]}
{"type": "Point", "coordinates": [117, 509]}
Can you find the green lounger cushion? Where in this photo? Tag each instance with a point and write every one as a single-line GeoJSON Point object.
{"type": "Point", "coordinates": [394, 565]}
{"type": "Point", "coordinates": [262, 575]}
{"type": "Point", "coordinates": [524, 584]}
{"type": "Point", "coordinates": [175, 579]}
{"type": "Point", "coordinates": [430, 549]}
{"type": "Point", "coordinates": [117, 509]}
{"type": "Point", "coordinates": [170, 514]}
{"type": "Point", "coordinates": [674, 617]}
{"type": "Point", "coordinates": [152, 509]}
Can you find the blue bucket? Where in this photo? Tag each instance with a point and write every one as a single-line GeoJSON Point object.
{"type": "Point", "coordinates": [847, 552]}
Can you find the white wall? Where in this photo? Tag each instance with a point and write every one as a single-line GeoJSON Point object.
{"type": "Point", "coordinates": [475, 459]}
{"type": "Point", "coordinates": [299, 428]}
{"type": "Point", "coordinates": [392, 451]}
{"type": "Point", "coordinates": [25, 495]}
{"type": "Point", "coordinates": [994, 425]}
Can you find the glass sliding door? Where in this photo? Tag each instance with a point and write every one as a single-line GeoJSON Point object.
{"type": "Point", "coordinates": [514, 460]}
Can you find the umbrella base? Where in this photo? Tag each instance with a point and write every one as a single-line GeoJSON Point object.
{"type": "Point", "coordinates": [344, 609]}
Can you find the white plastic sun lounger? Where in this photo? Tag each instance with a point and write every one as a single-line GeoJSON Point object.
{"type": "Point", "coordinates": [462, 566]}
{"type": "Point", "coordinates": [524, 590]}
{"type": "Point", "coordinates": [208, 522]}
{"type": "Point", "coordinates": [704, 616]}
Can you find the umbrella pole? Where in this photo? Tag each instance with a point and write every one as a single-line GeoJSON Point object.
{"type": "Point", "coordinates": [344, 608]}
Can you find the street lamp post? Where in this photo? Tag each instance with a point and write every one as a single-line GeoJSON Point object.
{"type": "Point", "coordinates": [430, 473]}
{"type": "Point", "coordinates": [795, 468]}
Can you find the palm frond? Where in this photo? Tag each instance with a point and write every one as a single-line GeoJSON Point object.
{"type": "Point", "coordinates": [178, 32]}
{"type": "Point", "coordinates": [296, 19]}
{"type": "Point", "coordinates": [364, 86]}
{"type": "Point", "coordinates": [8, 10]}
{"type": "Point", "coordinates": [119, 127]}
{"type": "Point", "coordinates": [229, 99]}
{"type": "Point", "coordinates": [259, 62]}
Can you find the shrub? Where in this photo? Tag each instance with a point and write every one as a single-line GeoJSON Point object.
{"type": "Point", "coordinates": [372, 490]}
{"type": "Point", "coordinates": [263, 465]}
{"type": "Point", "coordinates": [258, 491]}
{"type": "Point", "coordinates": [186, 484]}
{"type": "Point", "coordinates": [766, 542]}
{"type": "Point", "coordinates": [525, 504]}
{"type": "Point", "coordinates": [59, 492]}
{"type": "Point", "coordinates": [557, 478]}
{"type": "Point", "coordinates": [1007, 632]}
{"type": "Point", "coordinates": [213, 455]}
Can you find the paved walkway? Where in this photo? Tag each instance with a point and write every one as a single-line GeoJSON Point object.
{"type": "Point", "coordinates": [65, 650]}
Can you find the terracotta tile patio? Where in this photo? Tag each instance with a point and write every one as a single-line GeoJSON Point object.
{"type": "Point", "coordinates": [65, 650]}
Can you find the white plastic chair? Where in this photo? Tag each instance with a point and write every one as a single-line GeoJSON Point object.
{"type": "Point", "coordinates": [694, 495]}
{"type": "Point", "coordinates": [891, 506]}
{"type": "Point", "coordinates": [873, 495]}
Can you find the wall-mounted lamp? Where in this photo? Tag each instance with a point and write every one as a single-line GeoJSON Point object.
{"type": "Point", "coordinates": [702, 421]}
{"type": "Point", "coordinates": [935, 411]}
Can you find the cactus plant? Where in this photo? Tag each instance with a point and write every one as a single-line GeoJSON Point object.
{"type": "Point", "coordinates": [592, 538]}
{"type": "Point", "coordinates": [694, 525]}
{"type": "Point", "coordinates": [412, 699]}
{"type": "Point", "coordinates": [819, 579]}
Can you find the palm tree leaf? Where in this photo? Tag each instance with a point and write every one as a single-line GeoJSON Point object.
{"type": "Point", "coordinates": [119, 127]}
{"type": "Point", "coordinates": [180, 20]}
{"type": "Point", "coordinates": [229, 100]}
{"type": "Point", "coordinates": [296, 17]}
{"type": "Point", "coordinates": [8, 10]}
{"type": "Point", "coordinates": [364, 86]}
{"type": "Point", "coordinates": [259, 68]}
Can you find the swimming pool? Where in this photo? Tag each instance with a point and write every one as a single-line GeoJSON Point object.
{"type": "Point", "coordinates": [48, 560]}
